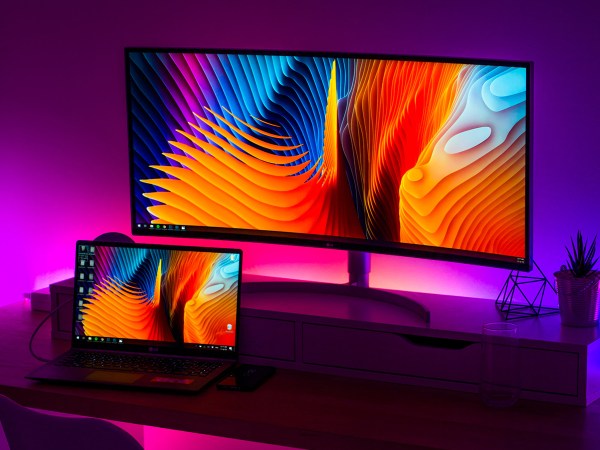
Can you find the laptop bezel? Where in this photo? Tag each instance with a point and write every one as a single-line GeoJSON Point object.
{"type": "Point", "coordinates": [150, 347]}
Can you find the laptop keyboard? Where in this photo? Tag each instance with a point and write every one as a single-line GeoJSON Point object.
{"type": "Point", "coordinates": [139, 364]}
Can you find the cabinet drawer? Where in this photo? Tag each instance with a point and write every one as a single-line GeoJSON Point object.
{"type": "Point", "coordinates": [392, 353]}
{"type": "Point", "coordinates": [549, 371]}
{"type": "Point", "coordinates": [267, 338]}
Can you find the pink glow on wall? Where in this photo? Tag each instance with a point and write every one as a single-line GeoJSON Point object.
{"type": "Point", "coordinates": [298, 263]}
{"type": "Point", "coordinates": [45, 279]}
{"type": "Point", "coordinates": [437, 277]}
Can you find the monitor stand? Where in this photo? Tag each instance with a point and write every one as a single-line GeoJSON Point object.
{"type": "Point", "coordinates": [359, 267]}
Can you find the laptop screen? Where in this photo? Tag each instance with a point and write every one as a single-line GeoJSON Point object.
{"type": "Point", "coordinates": [156, 298]}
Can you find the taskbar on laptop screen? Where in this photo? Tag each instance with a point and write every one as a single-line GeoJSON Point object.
{"type": "Point", "coordinates": [103, 341]}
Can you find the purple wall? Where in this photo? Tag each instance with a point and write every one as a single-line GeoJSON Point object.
{"type": "Point", "coordinates": [63, 127]}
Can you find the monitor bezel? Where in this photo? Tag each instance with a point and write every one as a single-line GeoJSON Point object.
{"type": "Point", "coordinates": [338, 243]}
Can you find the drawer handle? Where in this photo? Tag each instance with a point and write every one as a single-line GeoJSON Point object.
{"type": "Point", "coordinates": [426, 341]}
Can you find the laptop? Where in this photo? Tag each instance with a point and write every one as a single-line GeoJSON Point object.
{"type": "Point", "coordinates": [151, 316]}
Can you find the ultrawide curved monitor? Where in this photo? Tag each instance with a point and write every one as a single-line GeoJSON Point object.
{"type": "Point", "coordinates": [411, 156]}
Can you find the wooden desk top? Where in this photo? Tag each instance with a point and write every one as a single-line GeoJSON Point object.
{"type": "Point", "coordinates": [301, 409]}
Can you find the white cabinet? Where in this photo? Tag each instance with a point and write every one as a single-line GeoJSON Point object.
{"type": "Point", "coordinates": [368, 338]}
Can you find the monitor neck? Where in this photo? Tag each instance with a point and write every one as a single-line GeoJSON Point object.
{"type": "Point", "coordinates": [359, 267]}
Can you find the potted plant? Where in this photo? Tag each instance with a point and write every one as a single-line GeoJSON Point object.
{"type": "Point", "coordinates": [577, 285]}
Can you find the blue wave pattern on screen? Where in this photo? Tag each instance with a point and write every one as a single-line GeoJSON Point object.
{"type": "Point", "coordinates": [167, 89]}
{"type": "Point", "coordinates": [137, 266]}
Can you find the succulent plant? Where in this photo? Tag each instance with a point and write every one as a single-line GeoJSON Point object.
{"type": "Point", "coordinates": [581, 256]}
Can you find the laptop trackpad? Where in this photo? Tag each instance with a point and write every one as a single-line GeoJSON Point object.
{"type": "Point", "coordinates": [105, 376]}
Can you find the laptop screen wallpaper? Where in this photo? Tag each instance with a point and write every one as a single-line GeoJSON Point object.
{"type": "Point", "coordinates": [156, 294]}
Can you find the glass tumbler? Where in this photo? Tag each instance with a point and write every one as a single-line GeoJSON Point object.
{"type": "Point", "coordinates": [500, 372]}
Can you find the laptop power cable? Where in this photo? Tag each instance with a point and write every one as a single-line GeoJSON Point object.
{"type": "Point", "coordinates": [38, 328]}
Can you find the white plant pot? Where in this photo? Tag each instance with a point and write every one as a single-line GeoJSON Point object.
{"type": "Point", "coordinates": [578, 298]}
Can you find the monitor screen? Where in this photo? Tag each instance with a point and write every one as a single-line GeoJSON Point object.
{"type": "Point", "coordinates": [412, 156]}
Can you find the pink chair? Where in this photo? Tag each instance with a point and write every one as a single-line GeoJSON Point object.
{"type": "Point", "coordinates": [26, 429]}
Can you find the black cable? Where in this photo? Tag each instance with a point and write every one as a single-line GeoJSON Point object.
{"type": "Point", "coordinates": [50, 314]}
